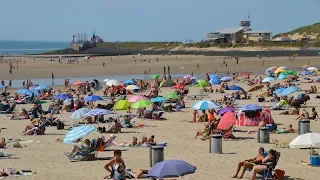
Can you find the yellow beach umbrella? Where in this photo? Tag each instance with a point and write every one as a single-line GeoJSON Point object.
{"type": "Point", "coordinates": [279, 70]}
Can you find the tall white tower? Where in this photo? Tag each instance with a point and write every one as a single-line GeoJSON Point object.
{"type": "Point", "coordinates": [245, 24]}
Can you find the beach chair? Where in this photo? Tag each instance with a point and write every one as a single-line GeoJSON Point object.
{"type": "Point", "coordinates": [157, 114]}
{"type": "Point", "coordinates": [108, 144]}
{"type": "Point", "coordinates": [40, 130]}
{"type": "Point", "coordinates": [10, 110]}
{"type": "Point", "coordinates": [270, 172]}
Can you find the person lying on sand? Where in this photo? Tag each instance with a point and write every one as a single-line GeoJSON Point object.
{"type": "Point", "coordinates": [294, 111]}
{"type": "Point", "coordinates": [137, 173]}
{"type": "Point", "coordinates": [289, 129]}
{"type": "Point", "coordinates": [4, 172]}
{"type": "Point", "coordinates": [249, 163]}
{"type": "Point", "coordinates": [116, 128]}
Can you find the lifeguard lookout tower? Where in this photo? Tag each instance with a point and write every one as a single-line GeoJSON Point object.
{"type": "Point", "coordinates": [245, 24]}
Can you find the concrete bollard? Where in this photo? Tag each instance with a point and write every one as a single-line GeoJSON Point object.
{"type": "Point", "coordinates": [215, 144]}
{"type": "Point", "coordinates": [156, 155]}
{"type": "Point", "coordinates": [304, 126]}
{"type": "Point", "coordinates": [264, 135]}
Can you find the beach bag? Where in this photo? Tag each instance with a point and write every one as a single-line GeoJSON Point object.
{"type": "Point", "coordinates": [279, 174]}
{"type": "Point", "coordinates": [60, 125]}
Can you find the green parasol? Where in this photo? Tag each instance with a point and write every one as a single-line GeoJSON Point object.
{"type": "Point", "coordinates": [202, 83]}
{"type": "Point", "coordinates": [172, 96]}
{"type": "Point", "coordinates": [122, 105]}
{"type": "Point", "coordinates": [156, 76]}
{"type": "Point", "coordinates": [141, 104]}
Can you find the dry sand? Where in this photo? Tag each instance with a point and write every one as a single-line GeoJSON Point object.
{"type": "Point", "coordinates": [47, 159]}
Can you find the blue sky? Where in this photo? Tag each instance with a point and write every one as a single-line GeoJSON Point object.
{"type": "Point", "coordinates": [147, 20]}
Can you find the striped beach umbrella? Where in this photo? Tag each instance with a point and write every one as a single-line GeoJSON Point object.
{"type": "Point", "coordinates": [79, 114]}
{"type": "Point", "coordinates": [98, 112]}
{"type": "Point", "coordinates": [206, 105]}
{"type": "Point", "coordinates": [77, 133]}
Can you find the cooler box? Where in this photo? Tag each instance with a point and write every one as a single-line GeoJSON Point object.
{"type": "Point", "coordinates": [315, 160]}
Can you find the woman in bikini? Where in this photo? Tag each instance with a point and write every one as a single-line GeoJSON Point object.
{"type": "Point", "coordinates": [269, 161]}
{"type": "Point", "coordinates": [117, 171]}
{"type": "Point", "coordinates": [314, 114]}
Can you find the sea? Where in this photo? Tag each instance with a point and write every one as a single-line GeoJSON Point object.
{"type": "Point", "coordinates": [30, 47]}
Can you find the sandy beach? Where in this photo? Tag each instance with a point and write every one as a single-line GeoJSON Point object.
{"type": "Point", "coordinates": [44, 155]}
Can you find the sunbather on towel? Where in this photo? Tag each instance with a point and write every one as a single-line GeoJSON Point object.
{"type": "Point", "coordinates": [286, 130]}
{"type": "Point", "coordinates": [249, 163]}
{"type": "Point", "coordinates": [138, 173]}
{"type": "Point", "coordinates": [4, 172]}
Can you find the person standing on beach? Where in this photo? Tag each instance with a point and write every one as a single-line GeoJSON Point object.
{"type": "Point", "coordinates": [52, 76]}
{"type": "Point", "coordinates": [10, 83]}
{"type": "Point", "coordinates": [2, 82]}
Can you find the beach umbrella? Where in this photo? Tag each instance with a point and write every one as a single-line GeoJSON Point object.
{"type": "Point", "coordinates": [187, 77]}
{"type": "Point", "coordinates": [132, 87]}
{"type": "Point", "coordinates": [62, 96]}
{"type": "Point", "coordinates": [251, 107]}
{"type": "Point", "coordinates": [206, 105]}
{"type": "Point", "coordinates": [271, 70]}
{"type": "Point", "coordinates": [141, 104]}
{"type": "Point", "coordinates": [215, 80]}
{"type": "Point", "coordinates": [291, 72]}
{"type": "Point", "coordinates": [312, 69]}
{"type": "Point", "coordinates": [282, 67]}
{"type": "Point", "coordinates": [28, 92]}
{"type": "Point", "coordinates": [167, 83]}
{"type": "Point", "coordinates": [129, 82]}
{"type": "Point", "coordinates": [41, 87]}
{"type": "Point", "coordinates": [280, 90]}
{"type": "Point", "coordinates": [202, 83]}
{"type": "Point", "coordinates": [171, 168]}
{"type": "Point", "coordinates": [178, 86]}
{"type": "Point", "coordinates": [226, 109]}
{"type": "Point", "coordinates": [122, 105]}
{"type": "Point", "coordinates": [268, 79]}
{"type": "Point", "coordinates": [282, 76]}
{"type": "Point", "coordinates": [79, 114]}
{"type": "Point", "coordinates": [225, 78]}
{"type": "Point", "coordinates": [40, 102]}
{"type": "Point", "coordinates": [94, 98]}
{"type": "Point", "coordinates": [256, 88]}
{"type": "Point", "coordinates": [105, 80]}
{"type": "Point", "coordinates": [2, 86]}
{"type": "Point", "coordinates": [78, 83]}
{"type": "Point", "coordinates": [98, 112]}
{"type": "Point", "coordinates": [305, 73]}
{"type": "Point", "coordinates": [308, 140]}
{"type": "Point", "coordinates": [280, 71]}
{"type": "Point", "coordinates": [156, 76]}
{"type": "Point", "coordinates": [172, 96]}
{"type": "Point", "coordinates": [133, 99]}
{"type": "Point", "coordinates": [236, 88]}
{"type": "Point", "coordinates": [158, 99]}
{"type": "Point", "coordinates": [290, 90]}
{"type": "Point", "coordinates": [229, 118]}
{"type": "Point", "coordinates": [305, 66]}
{"type": "Point", "coordinates": [193, 78]}
{"type": "Point", "coordinates": [67, 101]}
{"type": "Point", "coordinates": [77, 133]}
{"type": "Point", "coordinates": [113, 83]}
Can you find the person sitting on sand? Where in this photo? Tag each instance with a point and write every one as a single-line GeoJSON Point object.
{"type": "Point", "coordinates": [34, 123]}
{"type": "Point", "coordinates": [144, 141]}
{"type": "Point", "coordinates": [23, 115]}
{"type": "Point", "coordinates": [314, 114]}
{"type": "Point", "coordinates": [151, 140]}
{"type": "Point", "coordinates": [294, 111]}
{"type": "Point", "coordinates": [203, 117]}
{"type": "Point", "coordinates": [266, 162]}
{"type": "Point", "coordinates": [249, 163]}
{"type": "Point", "coordinates": [84, 146]}
{"type": "Point", "coordinates": [2, 142]}
{"type": "Point", "coordinates": [304, 115]}
{"type": "Point", "coordinates": [219, 131]}
{"type": "Point", "coordinates": [207, 130]}
{"type": "Point", "coordinates": [117, 170]}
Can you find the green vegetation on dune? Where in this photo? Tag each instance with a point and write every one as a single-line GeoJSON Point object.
{"type": "Point", "coordinates": [310, 29]}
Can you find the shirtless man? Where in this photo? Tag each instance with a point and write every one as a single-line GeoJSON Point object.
{"type": "Point", "coordinates": [249, 163]}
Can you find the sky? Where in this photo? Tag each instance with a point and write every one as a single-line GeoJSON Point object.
{"type": "Point", "coordinates": [147, 20]}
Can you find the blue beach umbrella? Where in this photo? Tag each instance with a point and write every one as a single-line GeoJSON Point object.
{"type": "Point", "coordinates": [158, 99]}
{"type": "Point", "coordinates": [77, 133]}
{"type": "Point", "coordinates": [171, 168]}
{"type": "Point", "coordinates": [290, 90]}
{"type": "Point", "coordinates": [62, 96]}
{"type": "Point", "coordinates": [280, 90]}
{"type": "Point", "coordinates": [41, 87]}
{"type": "Point", "coordinates": [251, 107]}
{"type": "Point", "coordinates": [129, 82]}
{"type": "Point", "coordinates": [236, 88]}
{"type": "Point", "coordinates": [226, 78]}
{"type": "Point", "coordinates": [94, 98]}
{"type": "Point", "coordinates": [206, 105]}
{"type": "Point", "coordinates": [28, 92]}
{"type": "Point", "coordinates": [2, 86]}
{"type": "Point", "coordinates": [282, 76]}
{"type": "Point", "coordinates": [98, 112]}
{"type": "Point", "coordinates": [268, 79]}
{"type": "Point", "coordinates": [215, 80]}
{"type": "Point", "coordinates": [79, 114]}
